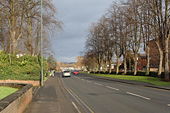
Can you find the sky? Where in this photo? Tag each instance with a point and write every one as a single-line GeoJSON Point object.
{"type": "Point", "coordinates": [77, 16]}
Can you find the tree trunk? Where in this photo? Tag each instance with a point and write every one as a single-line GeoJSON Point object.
{"type": "Point", "coordinates": [13, 23]}
{"type": "Point", "coordinates": [160, 59]}
{"type": "Point", "coordinates": [117, 65]}
{"type": "Point", "coordinates": [13, 43]}
{"type": "Point", "coordinates": [125, 64]}
{"type": "Point", "coordinates": [166, 59]}
{"type": "Point", "coordinates": [130, 65]}
{"type": "Point", "coordinates": [110, 68]}
{"type": "Point", "coordinates": [99, 67]}
{"type": "Point", "coordinates": [136, 64]}
{"type": "Point", "coordinates": [30, 36]}
{"type": "Point", "coordinates": [105, 67]}
{"type": "Point", "coordinates": [148, 61]}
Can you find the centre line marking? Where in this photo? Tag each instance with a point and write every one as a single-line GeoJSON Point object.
{"type": "Point", "coordinates": [112, 88]}
{"type": "Point", "coordinates": [138, 96]}
{"type": "Point", "coordinates": [76, 107]}
{"type": "Point", "coordinates": [98, 84]}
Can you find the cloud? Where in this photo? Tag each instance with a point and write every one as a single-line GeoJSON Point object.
{"type": "Point", "coordinates": [67, 59]}
{"type": "Point", "coordinates": [77, 15]}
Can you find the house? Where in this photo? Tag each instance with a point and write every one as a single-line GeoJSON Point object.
{"type": "Point", "coordinates": [154, 58]}
{"type": "Point", "coordinates": [154, 55]}
{"type": "Point", "coordinates": [142, 62]}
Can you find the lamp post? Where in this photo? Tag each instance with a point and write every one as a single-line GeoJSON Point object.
{"type": "Point", "coordinates": [41, 46]}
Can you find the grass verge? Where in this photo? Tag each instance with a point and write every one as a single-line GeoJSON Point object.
{"type": "Point", "coordinates": [6, 91]}
{"type": "Point", "coordinates": [146, 79]}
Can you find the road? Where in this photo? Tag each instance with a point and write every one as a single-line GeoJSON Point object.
{"type": "Point", "coordinates": [86, 94]}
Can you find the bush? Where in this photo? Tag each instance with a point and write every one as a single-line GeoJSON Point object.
{"type": "Point", "coordinates": [23, 68]}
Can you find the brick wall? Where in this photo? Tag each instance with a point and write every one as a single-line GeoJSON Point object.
{"type": "Point", "coordinates": [34, 83]}
{"type": "Point", "coordinates": [17, 102]}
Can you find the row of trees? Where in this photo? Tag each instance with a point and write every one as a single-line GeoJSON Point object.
{"type": "Point", "coordinates": [20, 25]}
{"type": "Point", "coordinates": [127, 28]}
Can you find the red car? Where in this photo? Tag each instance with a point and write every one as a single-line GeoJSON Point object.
{"type": "Point", "coordinates": [75, 72]}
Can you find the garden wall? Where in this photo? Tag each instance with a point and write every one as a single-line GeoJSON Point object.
{"type": "Point", "coordinates": [17, 102]}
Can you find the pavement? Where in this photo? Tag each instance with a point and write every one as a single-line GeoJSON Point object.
{"type": "Point", "coordinates": [86, 94]}
{"type": "Point", "coordinates": [51, 98]}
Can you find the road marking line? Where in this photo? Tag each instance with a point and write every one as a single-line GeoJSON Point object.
{"type": "Point", "coordinates": [72, 95]}
{"type": "Point", "coordinates": [98, 84]}
{"type": "Point", "coordinates": [76, 107]}
{"type": "Point", "coordinates": [169, 105]}
{"type": "Point", "coordinates": [82, 101]}
{"type": "Point", "coordinates": [78, 99]}
{"type": "Point", "coordinates": [138, 96]}
{"type": "Point", "coordinates": [88, 81]}
{"type": "Point", "coordinates": [112, 88]}
{"type": "Point", "coordinates": [77, 77]}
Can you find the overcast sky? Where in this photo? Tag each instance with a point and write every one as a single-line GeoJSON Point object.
{"type": "Point", "coordinates": [77, 16]}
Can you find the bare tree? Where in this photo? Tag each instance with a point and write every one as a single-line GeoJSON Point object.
{"type": "Point", "coordinates": [94, 44]}
{"type": "Point", "coordinates": [133, 25]}
{"type": "Point", "coordinates": [160, 25]}
{"type": "Point", "coordinates": [21, 24]}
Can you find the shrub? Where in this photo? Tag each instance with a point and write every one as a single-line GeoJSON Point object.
{"type": "Point", "coordinates": [23, 68]}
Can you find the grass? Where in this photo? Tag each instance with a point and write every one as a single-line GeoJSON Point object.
{"type": "Point", "coordinates": [146, 79]}
{"type": "Point", "coordinates": [6, 91]}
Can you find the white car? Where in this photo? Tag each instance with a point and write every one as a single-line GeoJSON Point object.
{"type": "Point", "coordinates": [66, 74]}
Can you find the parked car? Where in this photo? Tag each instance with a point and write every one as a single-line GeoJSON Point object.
{"type": "Point", "coordinates": [75, 72]}
{"type": "Point", "coordinates": [66, 74]}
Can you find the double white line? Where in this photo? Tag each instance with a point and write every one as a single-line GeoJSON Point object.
{"type": "Point", "coordinates": [78, 100]}
{"type": "Point", "coordinates": [76, 107]}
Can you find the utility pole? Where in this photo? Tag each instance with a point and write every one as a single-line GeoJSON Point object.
{"type": "Point", "coordinates": [41, 47]}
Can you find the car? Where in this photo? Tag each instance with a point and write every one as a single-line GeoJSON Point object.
{"type": "Point", "coordinates": [75, 72]}
{"type": "Point", "coordinates": [66, 74]}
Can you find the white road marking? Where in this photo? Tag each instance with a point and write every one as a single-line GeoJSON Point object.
{"type": "Point", "coordinates": [138, 95]}
{"type": "Point", "coordinates": [88, 81]}
{"type": "Point", "coordinates": [76, 107]}
{"type": "Point", "coordinates": [98, 84]}
{"type": "Point", "coordinates": [77, 77]}
{"type": "Point", "coordinates": [72, 95]}
{"type": "Point", "coordinates": [78, 99]}
{"type": "Point", "coordinates": [112, 88]}
{"type": "Point", "coordinates": [91, 111]}
{"type": "Point", "coordinates": [169, 105]}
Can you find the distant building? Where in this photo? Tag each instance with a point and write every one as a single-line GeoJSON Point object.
{"type": "Point", "coordinates": [142, 62]}
{"type": "Point", "coordinates": [154, 56]}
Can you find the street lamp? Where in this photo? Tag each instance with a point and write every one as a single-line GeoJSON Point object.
{"type": "Point", "coordinates": [41, 46]}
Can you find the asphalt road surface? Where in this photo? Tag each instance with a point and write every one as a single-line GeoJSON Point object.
{"type": "Point", "coordinates": [85, 94]}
